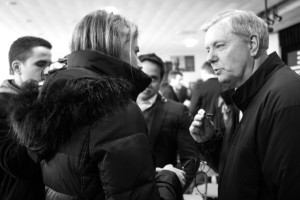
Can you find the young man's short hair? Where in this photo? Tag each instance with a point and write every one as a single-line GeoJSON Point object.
{"type": "Point", "coordinates": [152, 57]}
{"type": "Point", "coordinates": [21, 48]}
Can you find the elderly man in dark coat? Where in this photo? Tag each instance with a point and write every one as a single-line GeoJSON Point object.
{"type": "Point", "coordinates": [260, 158]}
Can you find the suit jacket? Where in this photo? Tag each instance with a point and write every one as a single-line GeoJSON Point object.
{"type": "Point", "coordinates": [168, 92]}
{"type": "Point", "coordinates": [168, 127]}
{"type": "Point", "coordinates": [205, 96]}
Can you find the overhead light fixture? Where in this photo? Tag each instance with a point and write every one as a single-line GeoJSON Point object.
{"type": "Point", "coordinates": [11, 3]}
{"type": "Point", "coordinates": [112, 9]}
{"type": "Point", "coordinates": [190, 42]}
{"type": "Point", "coordinates": [270, 15]}
{"type": "Point", "coordinates": [276, 16]}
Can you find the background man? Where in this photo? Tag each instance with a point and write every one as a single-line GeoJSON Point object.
{"type": "Point", "coordinates": [205, 95]}
{"type": "Point", "coordinates": [167, 121]}
{"type": "Point", "coordinates": [20, 176]}
{"type": "Point", "coordinates": [174, 89]}
{"type": "Point", "coordinates": [260, 158]}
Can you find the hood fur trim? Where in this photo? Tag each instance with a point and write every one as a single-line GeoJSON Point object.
{"type": "Point", "coordinates": [43, 125]}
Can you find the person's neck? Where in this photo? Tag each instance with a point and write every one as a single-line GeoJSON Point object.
{"type": "Point", "coordinates": [140, 99]}
{"type": "Point", "coordinates": [257, 62]}
{"type": "Point", "coordinates": [17, 81]}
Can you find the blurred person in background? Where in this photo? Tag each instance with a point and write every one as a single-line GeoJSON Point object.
{"type": "Point", "coordinates": [20, 176]}
{"type": "Point", "coordinates": [168, 122]}
{"type": "Point", "coordinates": [259, 159]}
{"type": "Point", "coordinates": [175, 89]}
{"type": "Point", "coordinates": [84, 124]}
{"type": "Point", "coordinates": [205, 94]}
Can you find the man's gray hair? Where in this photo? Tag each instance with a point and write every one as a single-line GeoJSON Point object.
{"type": "Point", "coordinates": [243, 24]}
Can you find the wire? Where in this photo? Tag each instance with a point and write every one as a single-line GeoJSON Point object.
{"type": "Point", "coordinates": [202, 167]}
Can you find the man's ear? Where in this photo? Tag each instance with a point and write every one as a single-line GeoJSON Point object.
{"type": "Point", "coordinates": [16, 66]}
{"type": "Point", "coordinates": [254, 45]}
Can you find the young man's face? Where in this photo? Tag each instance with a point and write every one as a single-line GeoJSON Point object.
{"type": "Point", "coordinates": [177, 82]}
{"type": "Point", "coordinates": [153, 71]}
{"type": "Point", "coordinates": [31, 68]}
{"type": "Point", "coordinates": [229, 55]}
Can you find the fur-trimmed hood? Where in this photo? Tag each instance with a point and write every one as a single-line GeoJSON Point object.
{"type": "Point", "coordinates": [70, 99]}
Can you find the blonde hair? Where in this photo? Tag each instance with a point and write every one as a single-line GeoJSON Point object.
{"type": "Point", "coordinates": [105, 32]}
{"type": "Point", "coordinates": [243, 24]}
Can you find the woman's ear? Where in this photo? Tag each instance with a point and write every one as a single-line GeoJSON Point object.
{"type": "Point", "coordinates": [254, 45]}
{"type": "Point", "coordinates": [16, 66]}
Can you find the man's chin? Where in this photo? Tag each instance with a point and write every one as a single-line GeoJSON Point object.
{"type": "Point", "coordinates": [222, 79]}
{"type": "Point", "coordinates": [146, 93]}
{"type": "Point", "coordinates": [144, 96]}
{"type": "Point", "coordinates": [225, 80]}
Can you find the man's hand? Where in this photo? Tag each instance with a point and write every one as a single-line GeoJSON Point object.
{"type": "Point", "coordinates": [202, 128]}
{"type": "Point", "coordinates": [180, 173]}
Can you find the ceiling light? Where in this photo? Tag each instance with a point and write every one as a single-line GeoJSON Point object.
{"type": "Point", "coordinates": [111, 9]}
{"type": "Point", "coordinates": [190, 42]}
{"type": "Point", "coordinates": [11, 3]}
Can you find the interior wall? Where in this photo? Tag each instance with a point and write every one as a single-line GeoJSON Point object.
{"type": "Point", "coordinates": [4, 66]}
{"type": "Point", "coordinates": [274, 44]}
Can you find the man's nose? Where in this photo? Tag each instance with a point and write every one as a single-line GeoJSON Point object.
{"type": "Point", "coordinates": [211, 57]}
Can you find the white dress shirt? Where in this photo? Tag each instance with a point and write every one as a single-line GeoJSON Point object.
{"type": "Point", "coordinates": [146, 104]}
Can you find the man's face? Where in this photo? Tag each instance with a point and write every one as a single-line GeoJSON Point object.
{"type": "Point", "coordinates": [153, 71]}
{"type": "Point", "coordinates": [229, 55]}
{"type": "Point", "coordinates": [177, 82]}
{"type": "Point", "coordinates": [31, 68]}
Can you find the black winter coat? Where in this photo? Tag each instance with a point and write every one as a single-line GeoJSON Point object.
{"type": "Point", "coordinates": [90, 134]}
{"type": "Point", "coordinates": [260, 158]}
{"type": "Point", "coordinates": [20, 176]}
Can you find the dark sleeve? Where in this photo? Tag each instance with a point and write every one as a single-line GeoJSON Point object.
{"type": "Point", "coordinates": [196, 100]}
{"type": "Point", "coordinates": [210, 151]}
{"type": "Point", "coordinates": [278, 150]}
{"type": "Point", "coordinates": [168, 185]}
{"type": "Point", "coordinates": [168, 93]}
{"type": "Point", "coordinates": [186, 147]}
{"type": "Point", "coordinates": [14, 158]}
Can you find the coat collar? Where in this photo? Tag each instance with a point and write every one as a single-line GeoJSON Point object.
{"type": "Point", "coordinates": [107, 65]}
{"type": "Point", "coordinates": [8, 86]}
{"type": "Point", "coordinates": [93, 64]}
{"type": "Point", "coordinates": [100, 63]}
{"type": "Point", "coordinates": [244, 94]}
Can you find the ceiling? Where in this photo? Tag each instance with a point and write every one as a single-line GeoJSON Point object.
{"type": "Point", "coordinates": [164, 24]}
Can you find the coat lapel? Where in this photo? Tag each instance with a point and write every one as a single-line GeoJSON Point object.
{"type": "Point", "coordinates": [158, 117]}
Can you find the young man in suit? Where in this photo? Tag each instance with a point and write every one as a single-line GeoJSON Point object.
{"type": "Point", "coordinates": [174, 89]}
{"type": "Point", "coordinates": [167, 121]}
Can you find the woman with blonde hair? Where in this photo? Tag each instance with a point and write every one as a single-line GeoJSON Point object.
{"type": "Point", "coordinates": [84, 124]}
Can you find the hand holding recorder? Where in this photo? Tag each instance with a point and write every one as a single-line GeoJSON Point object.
{"type": "Point", "coordinates": [202, 128]}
